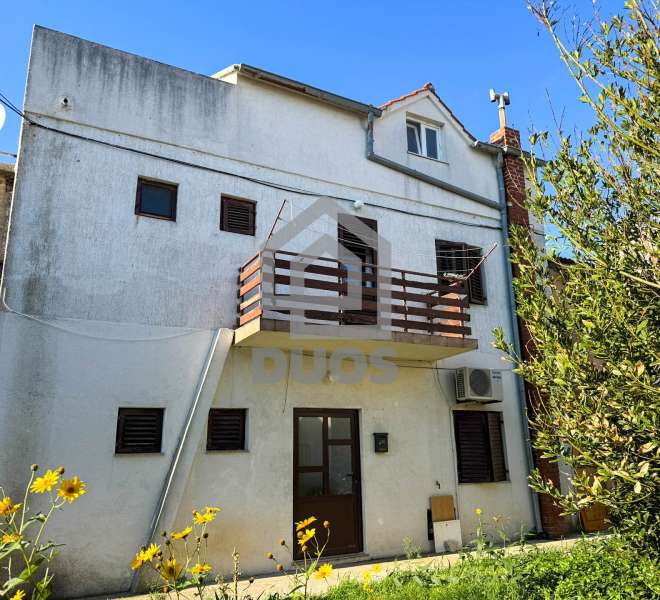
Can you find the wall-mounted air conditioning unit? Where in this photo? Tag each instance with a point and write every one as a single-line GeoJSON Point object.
{"type": "Point", "coordinates": [478, 385]}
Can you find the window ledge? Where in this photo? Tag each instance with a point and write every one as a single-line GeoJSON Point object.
{"type": "Point", "coordinates": [226, 451]}
{"type": "Point", "coordinates": [438, 160]}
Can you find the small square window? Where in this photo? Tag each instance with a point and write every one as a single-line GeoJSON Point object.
{"type": "Point", "coordinates": [139, 430]}
{"type": "Point", "coordinates": [425, 140]}
{"type": "Point", "coordinates": [238, 215]}
{"type": "Point", "coordinates": [226, 429]}
{"type": "Point", "coordinates": [156, 199]}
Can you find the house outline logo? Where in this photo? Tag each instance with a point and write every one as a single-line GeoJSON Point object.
{"type": "Point", "coordinates": [298, 300]}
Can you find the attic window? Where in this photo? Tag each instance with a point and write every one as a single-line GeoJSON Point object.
{"type": "Point", "coordinates": [424, 140]}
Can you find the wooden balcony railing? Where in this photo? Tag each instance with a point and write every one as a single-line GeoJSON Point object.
{"type": "Point", "coordinates": [275, 285]}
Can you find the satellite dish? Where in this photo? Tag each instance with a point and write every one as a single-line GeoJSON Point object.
{"type": "Point", "coordinates": [3, 116]}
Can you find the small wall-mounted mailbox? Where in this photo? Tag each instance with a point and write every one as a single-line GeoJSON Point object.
{"type": "Point", "coordinates": [380, 442]}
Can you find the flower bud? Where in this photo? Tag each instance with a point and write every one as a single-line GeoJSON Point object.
{"type": "Point", "coordinates": [205, 535]}
{"type": "Point", "coordinates": [279, 567]}
{"type": "Point", "coordinates": [60, 470]}
{"type": "Point", "coordinates": [282, 542]}
{"type": "Point", "coordinates": [251, 580]}
{"type": "Point", "coordinates": [34, 467]}
{"type": "Point", "coordinates": [168, 542]}
{"type": "Point", "coordinates": [304, 548]}
{"type": "Point", "coordinates": [326, 524]}
{"type": "Point", "coordinates": [269, 556]}
{"type": "Point", "coordinates": [164, 533]}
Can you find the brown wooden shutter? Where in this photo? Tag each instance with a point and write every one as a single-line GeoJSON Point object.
{"type": "Point", "coordinates": [472, 447]}
{"type": "Point", "coordinates": [226, 429]}
{"type": "Point", "coordinates": [238, 216]}
{"type": "Point", "coordinates": [496, 446]}
{"type": "Point", "coordinates": [479, 446]}
{"type": "Point", "coordinates": [476, 284]}
{"type": "Point", "coordinates": [139, 430]}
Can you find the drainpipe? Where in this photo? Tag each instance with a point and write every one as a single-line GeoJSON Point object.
{"type": "Point", "coordinates": [508, 275]}
{"type": "Point", "coordinates": [390, 164]}
{"type": "Point", "coordinates": [167, 484]}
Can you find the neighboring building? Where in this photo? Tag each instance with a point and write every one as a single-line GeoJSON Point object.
{"type": "Point", "coordinates": [6, 187]}
{"type": "Point", "coordinates": [142, 191]}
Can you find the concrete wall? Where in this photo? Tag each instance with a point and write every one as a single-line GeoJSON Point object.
{"type": "Point", "coordinates": [254, 487]}
{"type": "Point", "coordinates": [79, 258]}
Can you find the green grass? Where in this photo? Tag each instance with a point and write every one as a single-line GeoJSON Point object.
{"type": "Point", "coordinates": [591, 570]}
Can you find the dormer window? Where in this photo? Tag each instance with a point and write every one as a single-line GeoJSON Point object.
{"type": "Point", "coordinates": [424, 140]}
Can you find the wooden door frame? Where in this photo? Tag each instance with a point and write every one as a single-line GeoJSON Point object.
{"type": "Point", "coordinates": [357, 463]}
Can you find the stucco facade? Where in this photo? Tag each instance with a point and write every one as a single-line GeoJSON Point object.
{"type": "Point", "coordinates": [108, 309]}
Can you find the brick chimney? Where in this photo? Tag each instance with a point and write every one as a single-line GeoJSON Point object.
{"type": "Point", "coordinates": [513, 169]}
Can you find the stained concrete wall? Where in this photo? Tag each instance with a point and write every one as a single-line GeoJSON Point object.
{"type": "Point", "coordinates": [80, 258]}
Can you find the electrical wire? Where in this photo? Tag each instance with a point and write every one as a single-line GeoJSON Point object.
{"type": "Point", "coordinates": [270, 184]}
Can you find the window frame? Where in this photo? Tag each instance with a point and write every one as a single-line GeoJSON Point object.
{"type": "Point", "coordinates": [420, 128]}
{"type": "Point", "coordinates": [477, 283]}
{"type": "Point", "coordinates": [122, 411]}
{"type": "Point", "coordinates": [243, 435]}
{"type": "Point", "coordinates": [172, 187]}
{"type": "Point", "coordinates": [487, 442]}
{"type": "Point", "coordinates": [226, 200]}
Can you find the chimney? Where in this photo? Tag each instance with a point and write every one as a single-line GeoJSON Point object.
{"type": "Point", "coordinates": [513, 170]}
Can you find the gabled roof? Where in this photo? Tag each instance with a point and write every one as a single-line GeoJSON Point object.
{"type": "Point", "coordinates": [299, 87]}
{"type": "Point", "coordinates": [429, 90]}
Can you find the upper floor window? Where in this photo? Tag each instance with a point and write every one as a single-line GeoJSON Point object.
{"type": "Point", "coordinates": [238, 215]}
{"type": "Point", "coordinates": [457, 258]}
{"type": "Point", "coordinates": [156, 199]}
{"type": "Point", "coordinates": [424, 139]}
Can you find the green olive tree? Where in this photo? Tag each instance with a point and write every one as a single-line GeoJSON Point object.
{"type": "Point", "coordinates": [594, 319]}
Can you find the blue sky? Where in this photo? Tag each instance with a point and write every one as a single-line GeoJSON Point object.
{"type": "Point", "coordinates": [369, 51]}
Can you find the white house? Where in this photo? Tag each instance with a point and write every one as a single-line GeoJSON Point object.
{"type": "Point", "coordinates": [135, 297]}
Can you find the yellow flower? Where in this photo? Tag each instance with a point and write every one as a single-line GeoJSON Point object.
{"type": "Point", "coordinates": [45, 483]}
{"type": "Point", "coordinates": [305, 537]}
{"type": "Point", "coordinates": [376, 569]}
{"type": "Point", "coordinates": [323, 572]}
{"type": "Point", "coordinates": [182, 535]}
{"type": "Point", "coordinates": [366, 576]}
{"type": "Point", "coordinates": [72, 489]}
{"type": "Point", "coordinates": [150, 552]}
{"type": "Point", "coordinates": [170, 569]}
{"type": "Point", "coordinates": [477, 511]}
{"type": "Point", "coordinates": [300, 525]}
{"type": "Point", "coordinates": [19, 595]}
{"type": "Point", "coordinates": [201, 569]}
{"type": "Point", "coordinates": [207, 516]}
{"type": "Point", "coordinates": [7, 507]}
{"type": "Point", "coordinates": [138, 561]}
{"type": "Point", "coordinates": [10, 538]}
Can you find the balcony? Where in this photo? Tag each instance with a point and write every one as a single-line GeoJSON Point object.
{"type": "Point", "coordinates": [288, 300]}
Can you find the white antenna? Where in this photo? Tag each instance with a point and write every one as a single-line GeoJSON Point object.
{"type": "Point", "coordinates": [3, 116]}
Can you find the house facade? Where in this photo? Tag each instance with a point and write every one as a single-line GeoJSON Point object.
{"type": "Point", "coordinates": [168, 249]}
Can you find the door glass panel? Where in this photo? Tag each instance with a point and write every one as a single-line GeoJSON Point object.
{"type": "Point", "coordinates": [341, 470]}
{"type": "Point", "coordinates": [310, 484]}
{"type": "Point", "coordinates": [310, 441]}
{"type": "Point", "coordinates": [339, 428]}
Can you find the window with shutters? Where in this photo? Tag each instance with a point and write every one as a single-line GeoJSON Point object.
{"type": "Point", "coordinates": [457, 258]}
{"type": "Point", "coordinates": [139, 430]}
{"type": "Point", "coordinates": [238, 215]}
{"type": "Point", "coordinates": [479, 446]}
{"type": "Point", "coordinates": [226, 429]}
{"type": "Point", "coordinates": [156, 199]}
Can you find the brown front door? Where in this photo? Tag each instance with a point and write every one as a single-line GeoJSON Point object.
{"type": "Point", "coordinates": [326, 476]}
